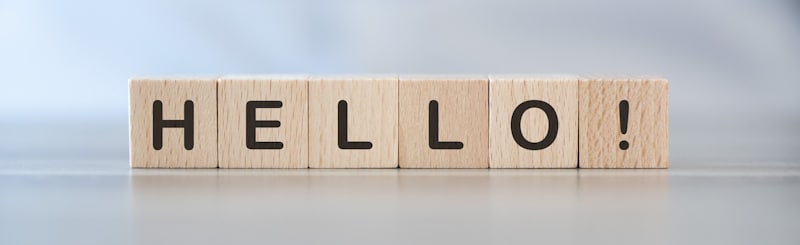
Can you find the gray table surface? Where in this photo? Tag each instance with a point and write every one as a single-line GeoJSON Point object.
{"type": "Point", "coordinates": [104, 202]}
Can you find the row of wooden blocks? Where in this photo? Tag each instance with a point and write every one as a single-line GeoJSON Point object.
{"type": "Point", "coordinates": [399, 121]}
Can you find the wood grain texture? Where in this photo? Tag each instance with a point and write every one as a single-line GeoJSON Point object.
{"type": "Point", "coordinates": [508, 92]}
{"type": "Point", "coordinates": [463, 116]}
{"type": "Point", "coordinates": [173, 93]}
{"type": "Point", "coordinates": [599, 123]}
{"type": "Point", "coordinates": [234, 94]}
{"type": "Point", "coordinates": [371, 117]}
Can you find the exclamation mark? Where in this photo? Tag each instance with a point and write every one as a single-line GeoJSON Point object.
{"type": "Point", "coordinates": [623, 122]}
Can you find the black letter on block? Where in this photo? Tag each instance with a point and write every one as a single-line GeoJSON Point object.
{"type": "Point", "coordinates": [433, 130]}
{"type": "Point", "coordinates": [343, 143]}
{"type": "Point", "coordinates": [187, 124]}
{"type": "Point", "coordinates": [251, 124]}
{"type": "Point", "coordinates": [552, 129]}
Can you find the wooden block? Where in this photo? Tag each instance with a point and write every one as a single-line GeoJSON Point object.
{"type": "Point", "coordinates": [353, 122]}
{"type": "Point", "coordinates": [263, 122]}
{"type": "Point", "coordinates": [606, 141]}
{"type": "Point", "coordinates": [444, 122]}
{"type": "Point", "coordinates": [533, 122]}
{"type": "Point", "coordinates": [173, 122]}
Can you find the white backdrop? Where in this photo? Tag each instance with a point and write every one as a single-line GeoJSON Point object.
{"type": "Point", "coordinates": [734, 66]}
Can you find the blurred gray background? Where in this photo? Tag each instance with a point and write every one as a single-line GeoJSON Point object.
{"type": "Point", "coordinates": [733, 66]}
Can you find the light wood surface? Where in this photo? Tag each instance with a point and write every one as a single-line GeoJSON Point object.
{"type": "Point", "coordinates": [410, 122]}
{"type": "Point", "coordinates": [506, 93]}
{"type": "Point", "coordinates": [372, 116]}
{"type": "Point", "coordinates": [173, 94]}
{"type": "Point", "coordinates": [599, 124]}
{"type": "Point", "coordinates": [234, 94]}
{"type": "Point", "coordinates": [463, 116]}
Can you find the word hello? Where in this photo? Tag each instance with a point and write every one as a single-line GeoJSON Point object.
{"type": "Point", "coordinates": [407, 122]}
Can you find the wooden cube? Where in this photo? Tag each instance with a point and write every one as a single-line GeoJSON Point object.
{"type": "Point", "coordinates": [173, 122]}
{"type": "Point", "coordinates": [444, 122]}
{"type": "Point", "coordinates": [623, 123]}
{"type": "Point", "coordinates": [533, 121]}
{"type": "Point", "coordinates": [263, 122]}
{"type": "Point", "coordinates": [353, 122]}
